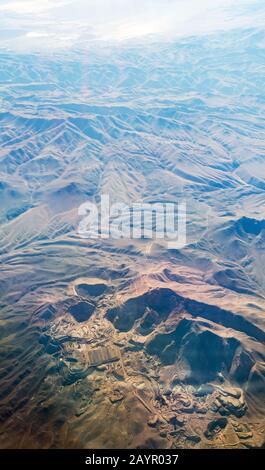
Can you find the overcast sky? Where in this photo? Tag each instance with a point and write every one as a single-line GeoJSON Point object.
{"type": "Point", "coordinates": [67, 23]}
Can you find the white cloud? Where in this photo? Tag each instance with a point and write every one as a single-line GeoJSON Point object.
{"type": "Point", "coordinates": [120, 20]}
{"type": "Point", "coordinates": [21, 7]}
{"type": "Point", "coordinates": [36, 34]}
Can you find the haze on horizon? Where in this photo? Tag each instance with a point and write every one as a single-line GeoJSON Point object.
{"type": "Point", "coordinates": [64, 24]}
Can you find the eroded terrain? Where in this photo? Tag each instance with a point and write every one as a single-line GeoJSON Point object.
{"type": "Point", "coordinates": [124, 343]}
